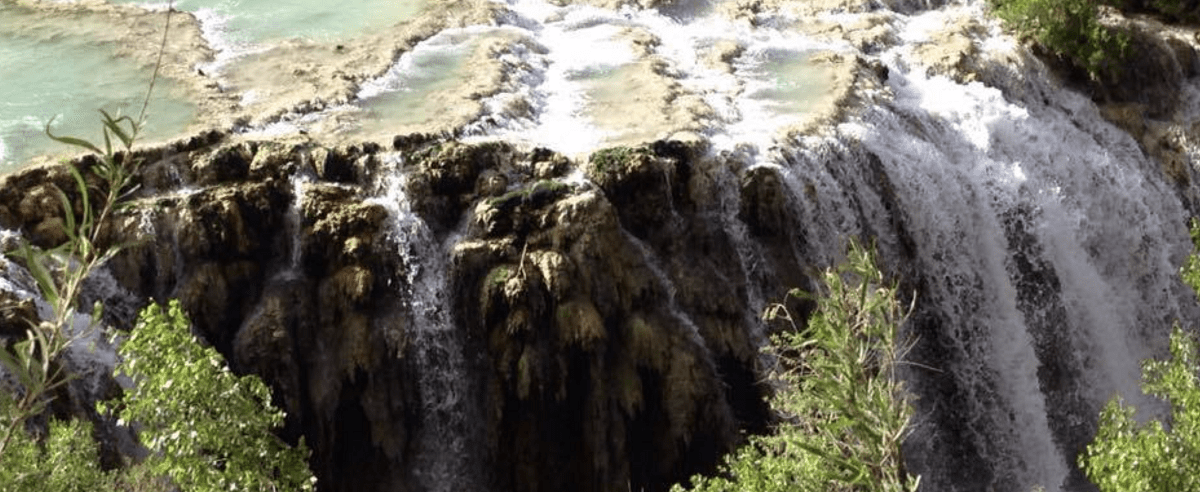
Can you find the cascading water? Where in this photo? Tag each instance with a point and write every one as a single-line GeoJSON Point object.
{"type": "Point", "coordinates": [1044, 243]}
{"type": "Point", "coordinates": [448, 423]}
{"type": "Point", "coordinates": [1041, 242]}
{"type": "Point", "coordinates": [300, 183]}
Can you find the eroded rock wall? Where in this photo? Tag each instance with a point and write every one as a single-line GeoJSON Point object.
{"type": "Point", "coordinates": [607, 324]}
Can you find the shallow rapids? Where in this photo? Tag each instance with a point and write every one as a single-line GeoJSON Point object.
{"type": "Point", "coordinates": [570, 78]}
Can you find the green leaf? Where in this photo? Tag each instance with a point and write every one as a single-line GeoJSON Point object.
{"type": "Point", "coordinates": [17, 364]}
{"type": "Point", "coordinates": [32, 258]}
{"type": "Point", "coordinates": [114, 125]}
{"type": "Point", "coordinates": [70, 140]}
{"type": "Point", "coordinates": [84, 198]}
{"type": "Point", "coordinates": [69, 227]}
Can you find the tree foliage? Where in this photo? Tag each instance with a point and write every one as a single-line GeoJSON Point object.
{"type": "Point", "coordinates": [65, 460]}
{"type": "Point", "coordinates": [1130, 457]}
{"type": "Point", "coordinates": [1070, 29]}
{"type": "Point", "coordinates": [843, 412]}
{"type": "Point", "coordinates": [35, 363]}
{"type": "Point", "coordinates": [207, 428]}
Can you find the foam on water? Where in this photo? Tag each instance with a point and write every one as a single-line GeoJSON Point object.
{"type": "Point", "coordinates": [648, 74]}
{"type": "Point", "coordinates": [557, 71]}
{"type": "Point", "coordinates": [413, 92]}
{"type": "Point", "coordinates": [576, 77]}
{"type": "Point", "coordinates": [779, 87]}
{"type": "Point", "coordinates": [1044, 241]}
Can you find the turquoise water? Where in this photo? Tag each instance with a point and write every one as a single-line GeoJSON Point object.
{"type": "Point", "coordinates": [791, 82]}
{"type": "Point", "coordinates": [259, 21]}
{"type": "Point", "coordinates": [66, 78]}
{"type": "Point", "coordinates": [54, 69]}
{"type": "Point", "coordinates": [419, 88]}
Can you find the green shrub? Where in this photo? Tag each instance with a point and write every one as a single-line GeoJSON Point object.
{"type": "Point", "coordinates": [64, 461]}
{"type": "Point", "coordinates": [1130, 457]}
{"type": "Point", "coordinates": [844, 414]}
{"type": "Point", "coordinates": [207, 429]}
{"type": "Point", "coordinates": [1069, 29]}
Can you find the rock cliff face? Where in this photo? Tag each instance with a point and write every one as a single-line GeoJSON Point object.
{"type": "Point", "coordinates": [606, 326]}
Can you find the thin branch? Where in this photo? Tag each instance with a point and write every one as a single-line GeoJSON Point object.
{"type": "Point", "coordinates": [162, 48]}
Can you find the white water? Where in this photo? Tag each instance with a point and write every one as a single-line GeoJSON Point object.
{"type": "Point", "coordinates": [293, 226]}
{"type": "Point", "coordinates": [445, 462]}
{"type": "Point", "coordinates": [420, 88]}
{"type": "Point", "coordinates": [1089, 209]}
{"type": "Point", "coordinates": [582, 102]}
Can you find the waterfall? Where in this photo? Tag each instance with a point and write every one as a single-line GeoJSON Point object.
{"type": "Point", "coordinates": [445, 459]}
{"type": "Point", "coordinates": [292, 226]}
{"type": "Point", "coordinates": [1044, 251]}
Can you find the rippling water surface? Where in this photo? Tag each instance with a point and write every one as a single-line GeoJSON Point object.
{"type": "Point", "coordinates": [68, 78]}
{"type": "Point", "coordinates": [568, 77]}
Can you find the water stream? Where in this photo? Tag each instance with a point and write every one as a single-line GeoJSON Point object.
{"type": "Point", "coordinates": [449, 427]}
{"type": "Point", "coordinates": [242, 23]}
{"type": "Point", "coordinates": [1046, 244]}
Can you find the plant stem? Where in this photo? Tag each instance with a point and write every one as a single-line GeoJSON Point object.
{"type": "Point", "coordinates": [162, 47]}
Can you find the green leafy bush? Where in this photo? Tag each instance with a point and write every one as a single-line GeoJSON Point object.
{"type": "Point", "coordinates": [35, 363]}
{"type": "Point", "coordinates": [207, 429]}
{"type": "Point", "coordinates": [844, 414]}
{"type": "Point", "coordinates": [64, 461]}
{"type": "Point", "coordinates": [1067, 28]}
{"type": "Point", "coordinates": [1130, 457]}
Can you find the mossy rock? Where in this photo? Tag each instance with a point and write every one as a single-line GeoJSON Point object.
{"type": "Point", "coordinates": [538, 194]}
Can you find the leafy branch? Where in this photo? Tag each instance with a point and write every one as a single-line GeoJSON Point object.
{"type": "Point", "coordinates": [61, 271]}
{"type": "Point", "coordinates": [843, 412]}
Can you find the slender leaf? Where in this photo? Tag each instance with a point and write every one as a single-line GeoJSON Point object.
{"type": "Point", "coordinates": [114, 124]}
{"type": "Point", "coordinates": [70, 140]}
